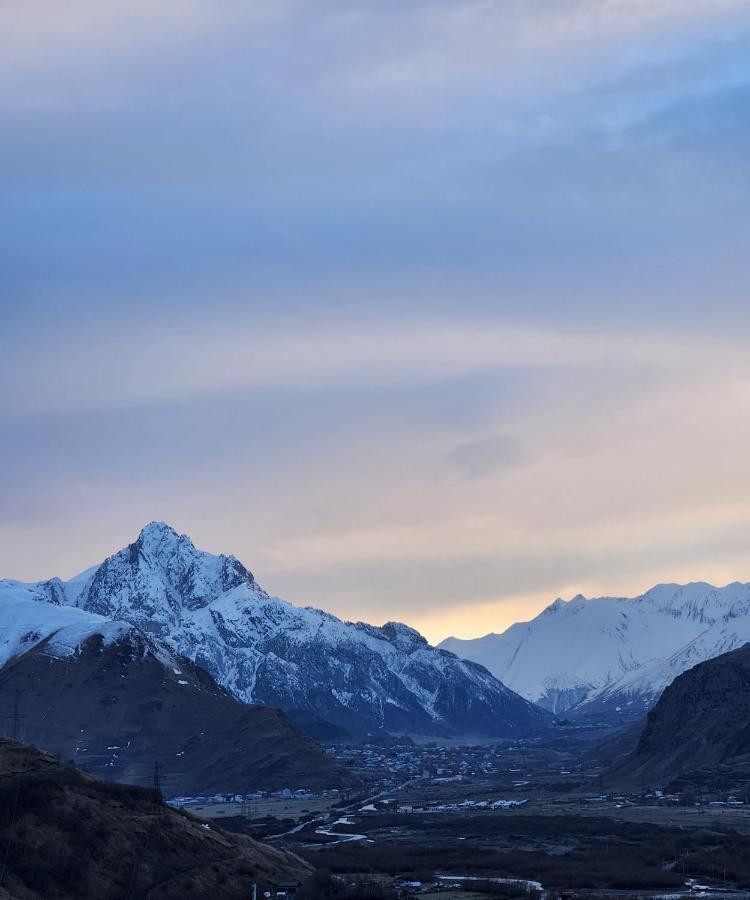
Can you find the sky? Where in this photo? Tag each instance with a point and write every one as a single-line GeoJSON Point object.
{"type": "Point", "coordinates": [429, 311]}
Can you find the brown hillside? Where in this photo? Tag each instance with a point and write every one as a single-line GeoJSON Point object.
{"type": "Point", "coordinates": [65, 834]}
{"type": "Point", "coordinates": [117, 709]}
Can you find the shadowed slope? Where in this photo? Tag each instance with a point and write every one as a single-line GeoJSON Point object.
{"type": "Point", "coordinates": [65, 834]}
{"type": "Point", "coordinates": [116, 708]}
{"type": "Point", "coordinates": [702, 721]}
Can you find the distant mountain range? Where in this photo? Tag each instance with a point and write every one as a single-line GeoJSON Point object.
{"type": "Point", "coordinates": [116, 701]}
{"type": "Point", "coordinates": [327, 674]}
{"type": "Point", "coordinates": [699, 731]}
{"type": "Point", "coordinates": [612, 657]}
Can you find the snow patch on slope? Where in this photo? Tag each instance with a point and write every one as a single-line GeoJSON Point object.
{"type": "Point", "coordinates": [24, 622]}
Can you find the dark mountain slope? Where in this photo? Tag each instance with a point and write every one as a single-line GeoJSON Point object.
{"type": "Point", "coordinates": [115, 708]}
{"type": "Point", "coordinates": [702, 721]}
{"type": "Point", "coordinates": [615, 746]}
{"type": "Point", "coordinates": [65, 834]}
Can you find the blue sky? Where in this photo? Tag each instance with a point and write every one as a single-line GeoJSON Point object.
{"type": "Point", "coordinates": [425, 310]}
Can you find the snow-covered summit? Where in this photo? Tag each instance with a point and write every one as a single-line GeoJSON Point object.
{"type": "Point", "coordinates": [614, 650]}
{"type": "Point", "coordinates": [150, 580]}
{"type": "Point", "coordinates": [196, 574]}
{"type": "Point", "coordinates": [154, 580]}
{"type": "Point", "coordinates": [264, 650]}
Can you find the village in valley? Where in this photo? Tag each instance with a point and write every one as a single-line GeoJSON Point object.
{"type": "Point", "coordinates": [435, 817]}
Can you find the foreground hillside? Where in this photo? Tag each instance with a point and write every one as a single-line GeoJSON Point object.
{"type": "Point", "coordinates": [66, 834]}
{"type": "Point", "coordinates": [116, 705]}
{"type": "Point", "coordinates": [699, 728]}
{"type": "Point", "coordinates": [317, 668]}
{"type": "Point", "coordinates": [613, 656]}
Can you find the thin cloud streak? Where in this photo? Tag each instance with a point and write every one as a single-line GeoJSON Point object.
{"type": "Point", "coordinates": [182, 362]}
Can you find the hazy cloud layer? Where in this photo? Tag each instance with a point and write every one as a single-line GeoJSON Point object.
{"type": "Point", "coordinates": [428, 311]}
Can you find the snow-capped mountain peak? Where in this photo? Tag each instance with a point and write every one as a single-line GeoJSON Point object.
{"type": "Point", "coordinates": [197, 575]}
{"type": "Point", "coordinates": [161, 575]}
{"type": "Point", "coordinates": [264, 650]}
{"type": "Point", "coordinates": [613, 650]}
{"type": "Point", "coordinates": [155, 533]}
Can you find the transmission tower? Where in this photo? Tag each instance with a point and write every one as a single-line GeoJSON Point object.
{"type": "Point", "coordinates": [15, 717]}
{"type": "Point", "coordinates": [158, 796]}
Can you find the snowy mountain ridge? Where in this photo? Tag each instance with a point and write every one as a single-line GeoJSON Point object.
{"type": "Point", "coordinates": [613, 653]}
{"type": "Point", "coordinates": [24, 625]}
{"type": "Point", "coordinates": [264, 650]}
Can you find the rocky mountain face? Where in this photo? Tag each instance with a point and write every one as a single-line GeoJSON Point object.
{"type": "Point", "coordinates": [67, 834]}
{"type": "Point", "coordinates": [701, 722]}
{"type": "Point", "coordinates": [612, 657]}
{"type": "Point", "coordinates": [309, 663]}
{"type": "Point", "coordinates": [118, 704]}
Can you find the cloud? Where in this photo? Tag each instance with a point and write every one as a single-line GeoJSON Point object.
{"type": "Point", "coordinates": [410, 305]}
{"type": "Point", "coordinates": [152, 362]}
{"type": "Point", "coordinates": [338, 495]}
{"type": "Point", "coordinates": [452, 44]}
{"type": "Point", "coordinates": [249, 160]}
{"type": "Point", "coordinates": [487, 455]}
{"type": "Point", "coordinates": [44, 34]}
